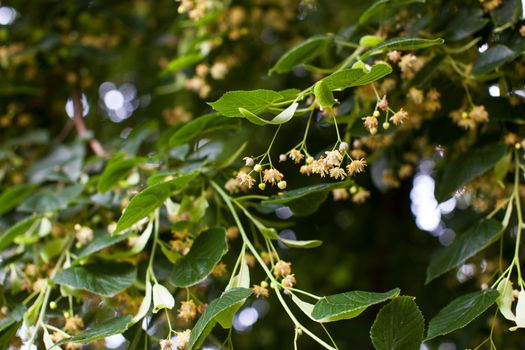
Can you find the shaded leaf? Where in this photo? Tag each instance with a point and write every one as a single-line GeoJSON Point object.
{"type": "Point", "coordinates": [465, 23]}
{"type": "Point", "coordinates": [207, 320]}
{"type": "Point", "coordinates": [198, 128]}
{"type": "Point", "coordinates": [102, 279]}
{"type": "Point", "coordinates": [102, 239]}
{"type": "Point", "coordinates": [115, 170]}
{"type": "Point", "coordinates": [509, 12]}
{"type": "Point", "coordinates": [12, 196]}
{"type": "Point", "coordinates": [105, 329]}
{"type": "Point", "coordinates": [398, 326]}
{"type": "Point", "coordinates": [14, 316]}
{"type": "Point", "coordinates": [305, 200]}
{"type": "Point", "coordinates": [291, 243]}
{"type": "Point", "coordinates": [379, 6]}
{"type": "Point", "coordinates": [150, 199]}
{"type": "Point", "coordinates": [19, 229]}
{"type": "Point", "coordinates": [348, 305]}
{"type": "Point", "coordinates": [465, 246]}
{"type": "Point", "coordinates": [356, 77]}
{"type": "Point", "coordinates": [492, 59]}
{"type": "Point", "coordinates": [50, 198]}
{"type": "Point", "coordinates": [300, 54]}
{"type": "Point", "coordinates": [461, 170]}
{"type": "Point", "coordinates": [402, 44]}
{"type": "Point", "coordinates": [206, 251]}
{"type": "Point", "coordinates": [461, 312]}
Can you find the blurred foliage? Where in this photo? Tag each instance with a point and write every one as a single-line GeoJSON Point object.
{"type": "Point", "coordinates": [131, 199]}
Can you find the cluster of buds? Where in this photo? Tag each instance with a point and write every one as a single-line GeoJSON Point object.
{"type": "Point", "coordinates": [245, 181]}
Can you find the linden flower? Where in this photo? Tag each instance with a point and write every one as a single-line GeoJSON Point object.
{"type": "Point", "coordinates": [320, 167]}
{"type": "Point", "coordinates": [340, 194]}
{"type": "Point", "coordinates": [166, 344]}
{"type": "Point", "coordinates": [338, 173]}
{"type": "Point", "coordinates": [282, 268]}
{"type": "Point", "coordinates": [248, 161]}
{"type": "Point", "coordinates": [306, 170]}
{"type": "Point", "coordinates": [288, 281]}
{"type": "Point", "coordinates": [356, 166]}
{"type": "Point", "coordinates": [296, 156]}
{"type": "Point", "coordinates": [334, 157]}
{"type": "Point", "coordinates": [360, 196]}
{"type": "Point", "coordinates": [245, 179]}
{"type": "Point", "coordinates": [370, 123]}
{"type": "Point", "coordinates": [183, 338]}
{"type": "Point", "coordinates": [187, 311]}
{"type": "Point", "coordinates": [393, 56]}
{"type": "Point", "coordinates": [399, 117]}
{"type": "Point", "coordinates": [260, 291]}
{"type": "Point", "coordinates": [415, 95]}
{"type": "Point", "coordinates": [383, 104]}
{"type": "Point", "coordinates": [73, 324]}
{"type": "Point", "coordinates": [479, 114]}
{"type": "Point", "coordinates": [407, 62]}
{"type": "Point", "coordinates": [272, 176]}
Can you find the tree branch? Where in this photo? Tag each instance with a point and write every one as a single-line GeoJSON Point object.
{"type": "Point", "coordinates": [78, 119]}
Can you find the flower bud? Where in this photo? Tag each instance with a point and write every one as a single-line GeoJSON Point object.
{"type": "Point", "coordinates": [343, 147]}
{"type": "Point", "coordinates": [262, 186]}
{"type": "Point", "coordinates": [386, 125]}
{"type": "Point", "coordinates": [282, 158]}
{"type": "Point", "coordinates": [282, 184]}
{"type": "Point", "coordinates": [376, 114]}
{"type": "Point", "coordinates": [257, 168]}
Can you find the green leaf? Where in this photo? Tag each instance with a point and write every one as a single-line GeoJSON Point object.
{"type": "Point", "coordinates": [461, 312]}
{"type": "Point", "coordinates": [53, 249]}
{"type": "Point", "coordinates": [102, 239]}
{"type": "Point", "coordinates": [150, 199]}
{"type": "Point", "coordinates": [206, 251]}
{"type": "Point", "coordinates": [240, 280]}
{"type": "Point", "coordinates": [305, 200]}
{"type": "Point", "coordinates": [14, 316]}
{"type": "Point", "coordinates": [19, 229]}
{"type": "Point", "coordinates": [324, 95]}
{"type": "Point", "coordinates": [402, 44]}
{"type": "Point", "coordinates": [50, 198]}
{"type": "Point", "coordinates": [182, 62]}
{"type": "Point", "coordinates": [291, 243]}
{"type": "Point", "coordinates": [466, 167]}
{"type": "Point", "coordinates": [300, 54]}
{"type": "Point", "coordinates": [198, 128]}
{"type": "Point", "coordinates": [115, 170]}
{"type": "Point", "coordinates": [468, 21]}
{"type": "Point", "coordinates": [105, 329]}
{"type": "Point", "coordinates": [281, 118]}
{"type": "Point", "coordinates": [356, 77]}
{"type": "Point", "coordinates": [465, 246]}
{"type": "Point", "coordinates": [379, 6]}
{"type": "Point", "coordinates": [12, 196]}
{"type": "Point", "coordinates": [102, 279]}
{"type": "Point", "coordinates": [254, 101]}
{"type": "Point", "coordinates": [207, 320]}
{"type": "Point", "coordinates": [492, 59]}
{"type": "Point", "coordinates": [398, 326]}
{"type": "Point", "coordinates": [305, 307]}
{"type": "Point", "coordinates": [508, 13]}
{"type": "Point", "coordinates": [348, 305]}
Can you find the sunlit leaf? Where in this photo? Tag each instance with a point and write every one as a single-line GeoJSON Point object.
{"type": "Point", "coordinates": [254, 101]}
{"type": "Point", "coordinates": [356, 77]}
{"type": "Point", "coordinates": [19, 229]}
{"type": "Point", "coordinates": [300, 54]}
{"type": "Point", "coordinates": [150, 199]}
{"type": "Point", "coordinates": [348, 305]}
